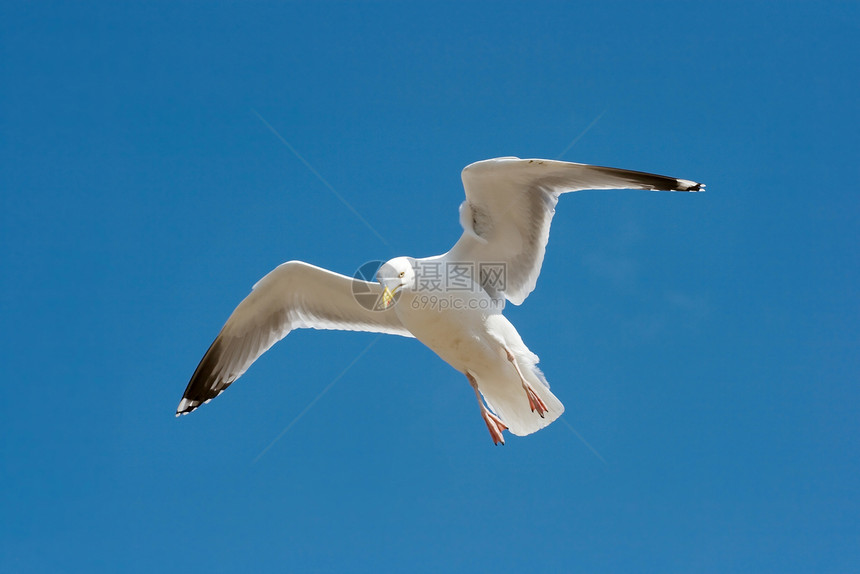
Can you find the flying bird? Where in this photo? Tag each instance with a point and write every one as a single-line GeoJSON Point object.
{"type": "Point", "coordinates": [452, 303]}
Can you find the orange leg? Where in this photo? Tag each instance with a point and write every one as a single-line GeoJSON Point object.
{"type": "Point", "coordinates": [494, 423]}
{"type": "Point", "coordinates": [535, 402]}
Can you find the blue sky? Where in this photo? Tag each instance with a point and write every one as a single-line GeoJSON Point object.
{"type": "Point", "coordinates": [706, 345]}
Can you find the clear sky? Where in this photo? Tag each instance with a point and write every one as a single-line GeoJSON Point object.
{"type": "Point", "coordinates": [706, 346]}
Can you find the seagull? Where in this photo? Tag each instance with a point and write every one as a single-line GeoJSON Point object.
{"type": "Point", "coordinates": [452, 303]}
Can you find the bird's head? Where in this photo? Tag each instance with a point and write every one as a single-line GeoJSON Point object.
{"type": "Point", "coordinates": [394, 276]}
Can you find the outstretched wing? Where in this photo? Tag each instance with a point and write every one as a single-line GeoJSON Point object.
{"type": "Point", "coordinates": [294, 295]}
{"type": "Point", "coordinates": [509, 207]}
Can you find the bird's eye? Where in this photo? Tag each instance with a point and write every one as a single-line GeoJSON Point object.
{"type": "Point", "coordinates": [402, 273]}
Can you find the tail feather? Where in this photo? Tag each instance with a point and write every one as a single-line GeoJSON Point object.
{"type": "Point", "coordinates": [502, 389]}
{"type": "Point", "coordinates": [510, 403]}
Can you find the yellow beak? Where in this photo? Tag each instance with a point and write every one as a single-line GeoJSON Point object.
{"type": "Point", "coordinates": [388, 296]}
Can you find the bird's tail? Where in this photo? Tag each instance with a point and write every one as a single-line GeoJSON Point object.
{"type": "Point", "coordinates": [511, 404]}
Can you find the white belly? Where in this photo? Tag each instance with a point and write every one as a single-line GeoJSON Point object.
{"type": "Point", "coordinates": [459, 336]}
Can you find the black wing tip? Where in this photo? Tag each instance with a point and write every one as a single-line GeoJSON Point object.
{"type": "Point", "coordinates": [187, 405]}
{"type": "Point", "coordinates": [652, 181]}
{"type": "Point", "coordinates": [686, 185]}
{"type": "Point", "coordinates": [206, 383]}
{"type": "Point", "coordinates": [673, 184]}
